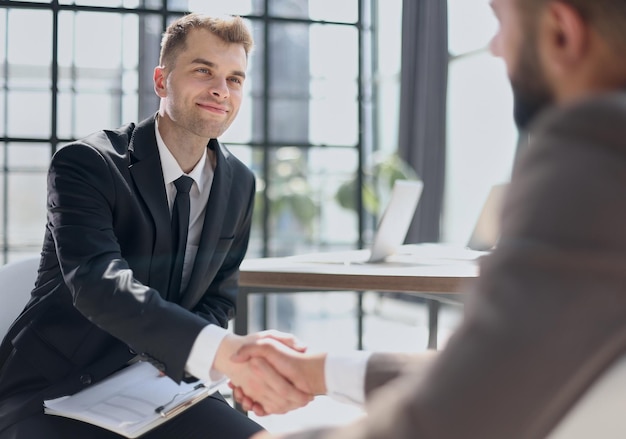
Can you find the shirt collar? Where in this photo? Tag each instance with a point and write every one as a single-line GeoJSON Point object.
{"type": "Point", "coordinates": [171, 168]}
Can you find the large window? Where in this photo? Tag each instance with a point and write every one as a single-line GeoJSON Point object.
{"type": "Point", "coordinates": [481, 134]}
{"type": "Point", "coordinates": [71, 67]}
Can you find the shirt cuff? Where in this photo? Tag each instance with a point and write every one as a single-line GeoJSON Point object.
{"type": "Point", "coordinates": [202, 355]}
{"type": "Point", "coordinates": [345, 376]}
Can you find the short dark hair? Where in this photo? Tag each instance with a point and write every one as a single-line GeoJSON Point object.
{"type": "Point", "coordinates": [230, 30]}
{"type": "Point", "coordinates": [608, 17]}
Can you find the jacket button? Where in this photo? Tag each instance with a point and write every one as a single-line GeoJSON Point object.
{"type": "Point", "coordinates": [85, 379]}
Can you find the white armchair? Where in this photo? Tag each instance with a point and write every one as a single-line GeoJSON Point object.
{"type": "Point", "coordinates": [17, 279]}
{"type": "Point", "coordinates": [601, 411]}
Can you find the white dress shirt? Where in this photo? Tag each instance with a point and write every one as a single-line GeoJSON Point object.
{"type": "Point", "coordinates": [203, 352]}
{"type": "Point", "coordinates": [345, 376]}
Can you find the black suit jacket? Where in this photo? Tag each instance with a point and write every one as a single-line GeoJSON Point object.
{"type": "Point", "coordinates": [101, 294]}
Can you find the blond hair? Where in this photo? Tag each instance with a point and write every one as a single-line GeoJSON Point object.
{"type": "Point", "coordinates": [230, 30]}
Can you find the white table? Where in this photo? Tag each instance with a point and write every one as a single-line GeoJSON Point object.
{"type": "Point", "coordinates": [430, 270]}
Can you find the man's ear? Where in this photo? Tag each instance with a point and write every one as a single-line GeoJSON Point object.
{"type": "Point", "coordinates": [159, 78]}
{"type": "Point", "coordinates": [564, 38]}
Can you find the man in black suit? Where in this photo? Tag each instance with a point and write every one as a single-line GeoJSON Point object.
{"type": "Point", "coordinates": [106, 291]}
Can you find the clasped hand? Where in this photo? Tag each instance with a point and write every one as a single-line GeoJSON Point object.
{"type": "Point", "coordinates": [269, 371]}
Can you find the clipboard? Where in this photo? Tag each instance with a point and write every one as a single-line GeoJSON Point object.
{"type": "Point", "coordinates": [132, 401]}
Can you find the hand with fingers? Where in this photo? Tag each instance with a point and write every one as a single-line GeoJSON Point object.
{"type": "Point", "coordinates": [304, 372]}
{"type": "Point", "coordinates": [256, 377]}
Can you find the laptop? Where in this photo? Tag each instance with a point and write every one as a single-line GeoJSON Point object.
{"type": "Point", "coordinates": [486, 231]}
{"type": "Point", "coordinates": [396, 219]}
{"type": "Point", "coordinates": [391, 231]}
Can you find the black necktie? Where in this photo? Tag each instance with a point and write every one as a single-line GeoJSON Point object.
{"type": "Point", "coordinates": [180, 226]}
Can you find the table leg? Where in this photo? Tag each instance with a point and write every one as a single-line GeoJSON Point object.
{"type": "Point", "coordinates": [433, 322]}
{"type": "Point", "coordinates": [359, 320]}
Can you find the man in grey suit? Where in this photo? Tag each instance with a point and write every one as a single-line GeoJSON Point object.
{"type": "Point", "coordinates": [547, 316]}
{"type": "Point", "coordinates": [108, 290]}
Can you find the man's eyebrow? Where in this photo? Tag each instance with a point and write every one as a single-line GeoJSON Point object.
{"type": "Point", "coordinates": [211, 64]}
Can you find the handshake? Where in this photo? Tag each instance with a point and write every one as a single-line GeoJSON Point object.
{"type": "Point", "coordinates": [270, 371]}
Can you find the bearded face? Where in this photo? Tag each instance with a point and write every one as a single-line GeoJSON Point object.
{"type": "Point", "coordinates": [531, 91]}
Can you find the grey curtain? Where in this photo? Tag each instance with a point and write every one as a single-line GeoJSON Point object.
{"type": "Point", "coordinates": [423, 90]}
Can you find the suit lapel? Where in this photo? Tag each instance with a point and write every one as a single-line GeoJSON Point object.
{"type": "Point", "coordinates": [204, 268]}
{"type": "Point", "coordinates": [145, 169]}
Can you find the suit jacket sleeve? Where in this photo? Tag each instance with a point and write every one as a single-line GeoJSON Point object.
{"type": "Point", "coordinates": [385, 367]}
{"type": "Point", "coordinates": [84, 193]}
{"type": "Point", "coordinates": [548, 313]}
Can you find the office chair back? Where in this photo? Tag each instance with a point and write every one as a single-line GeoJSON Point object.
{"type": "Point", "coordinates": [17, 279]}
{"type": "Point", "coordinates": [600, 413]}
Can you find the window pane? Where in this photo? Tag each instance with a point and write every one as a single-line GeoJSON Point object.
{"type": "Point", "coordinates": [28, 156]}
{"type": "Point", "coordinates": [82, 50]}
{"type": "Point", "coordinates": [303, 189]}
{"type": "Point", "coordinates": [230, 7]}
{"type": "Point", "coordinates": [3, 42]}
{"type": "Point", "coordinates": [29, 78]}
{"type": "Point", "coordinates": [346, 11]}
{"type": "Point", "coordinates": [313, 91]}
{"type": "Point", "coordinates": [95, 111]}
{"type": "Point", "coordinates": [27, 213]}
{"type": "Point", "coordinates": [340, 63]}
{"type": "Point", "coordinates": [289, 83]}
{"type": "Point", "coordinates": [387, 75]}
{"type": "Point", "coordinates": [131, 4]}
{"type": "Point", "coordinates": [389, 35]}
{"type": "Point", "coordinates": [98, 81]}
{"type": "Point", "coordinates": [129, 41]}
{"type": "Point", "coordinates": [149, 40]}
{"type": "Point", "coordinates": [471, 25]}
{"type": "Point", "coordinates": [481, 140]}
{"type": "Point", "coordinates": [80, 114]}
{"type": "Point", "coordinates": [289, 8]}
{"type": "Point", "coordinates": [65, 115]}
{"type": "Point", "coordinates": [331, 171]}
{"type": "Point", "coordinates": [130, 82]}
{"type": "Point", "coordinates": [334, 118]}
{"type": "Point", "coordinates": [2, 112]}
{"type": "Point", "coordinates": [331, 10]}
{"type": "Point", "coordinates": [388, 114]}
{"type": "Point", "coordinates": [29, 37]}
{"type": "Point", "coordinates": [129, 111]}
{"type": "Point", "coordinates": [3, 59]}
{"type": "Point", "coordinates": [29, 115]}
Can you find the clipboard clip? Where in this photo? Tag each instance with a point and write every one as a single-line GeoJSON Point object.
{"type": "Point", "coordinates": [166, 411]}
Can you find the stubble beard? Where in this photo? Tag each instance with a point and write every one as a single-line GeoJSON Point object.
{"type": "Point", "coordinates": [200, 126]}
{"type": "Point", "coordinates": [531, 92]}
{"type": "Point", "coordinates": [208, 129]}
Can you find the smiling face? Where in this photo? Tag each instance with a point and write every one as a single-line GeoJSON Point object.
{"type": "Point", "coordinates": [201, 91]}
{"type": "Point", "coordinates": [516, 42]}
